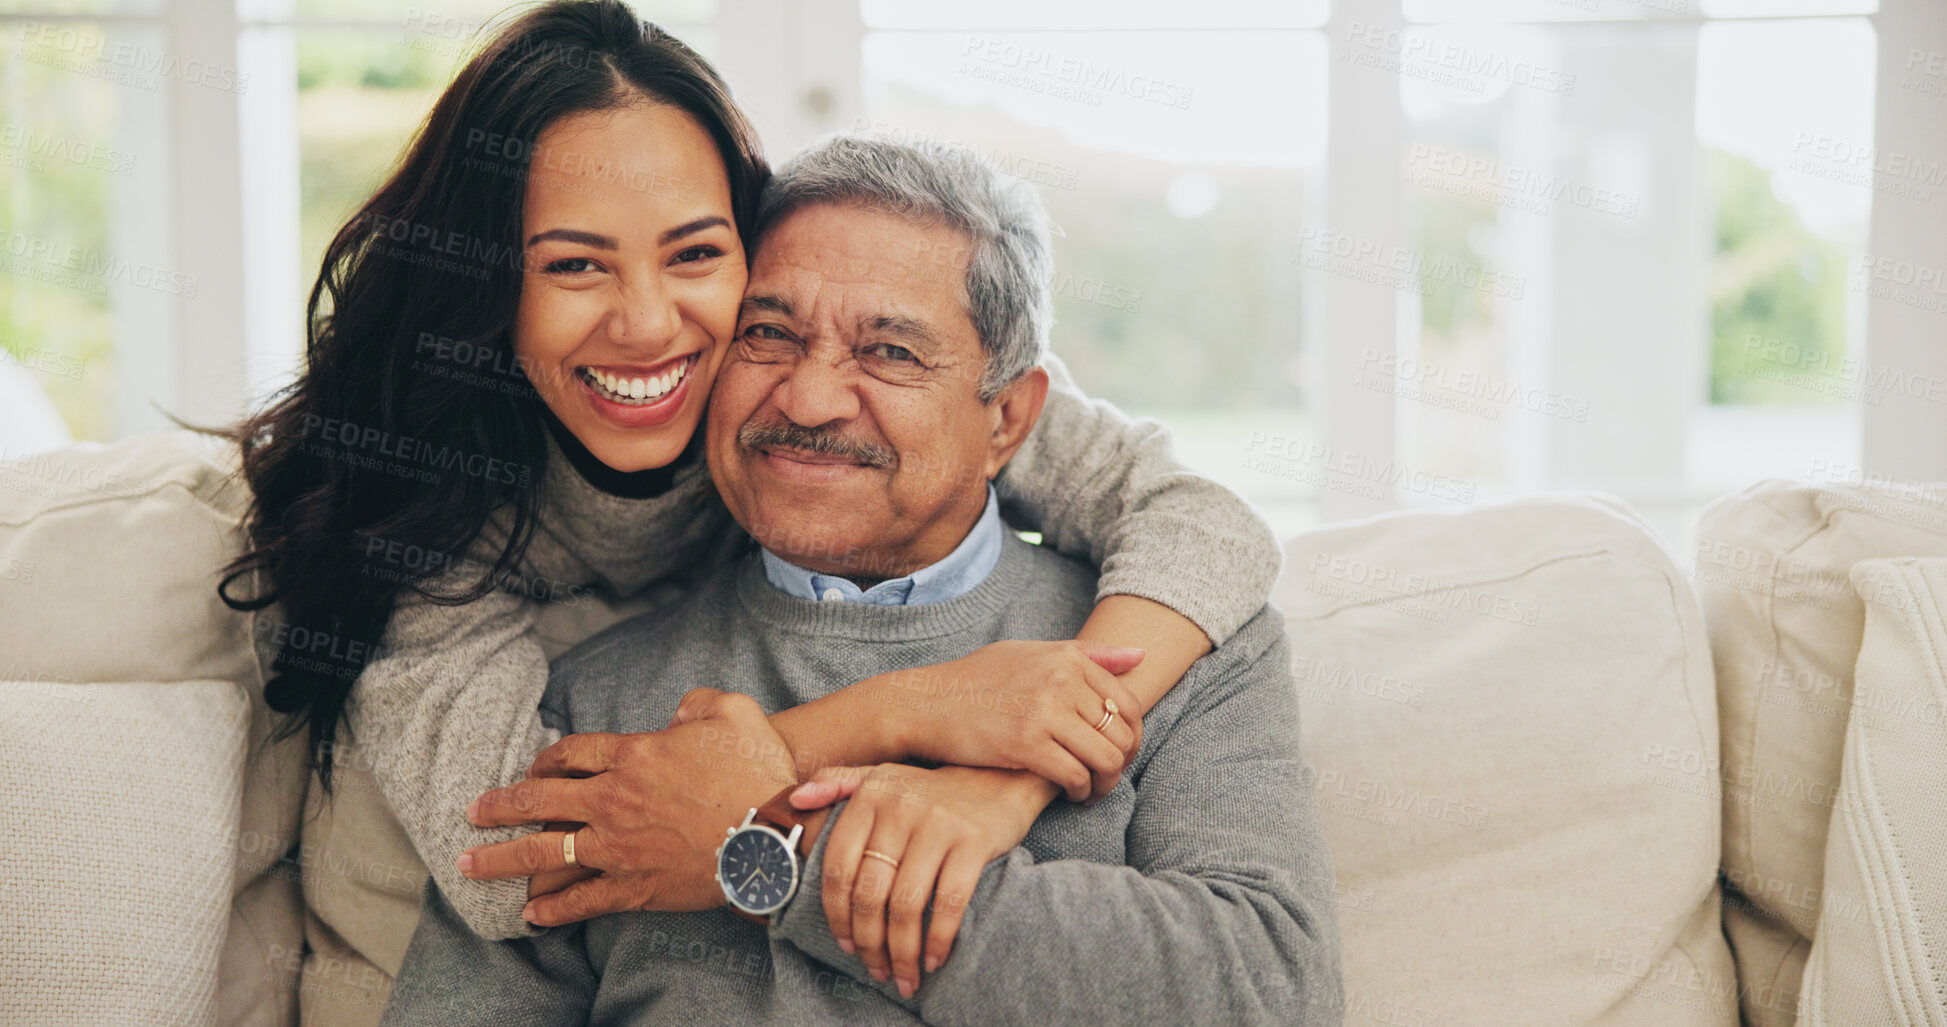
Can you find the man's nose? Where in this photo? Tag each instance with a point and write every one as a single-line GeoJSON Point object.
{"type": "Point", "coordinates": [645, 317]}
{"type": "Point", "coordinates": [816, 392]}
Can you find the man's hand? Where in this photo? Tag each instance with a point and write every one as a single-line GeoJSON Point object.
{"type": "Point", "coordinates": [1021, 706]}
{"type": "Point", "coordinates": [943, 826]}
{"type": "Point", "coordinates": [655, 807]}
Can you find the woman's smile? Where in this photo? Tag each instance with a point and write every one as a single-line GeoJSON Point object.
{"type": "Point", "coordinates": [637, 397]}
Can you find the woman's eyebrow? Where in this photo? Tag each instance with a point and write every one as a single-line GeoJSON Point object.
{"type": "Point", "coordinates": [698, 225]}
{"type": "Point", "coordinates": [600, 242]}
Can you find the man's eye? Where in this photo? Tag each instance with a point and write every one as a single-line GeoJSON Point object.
{"type": "Point", "coordinates": [570, 266]}
{"type": "Point", "coordinates": [888, 351]}
{"type": "Point", "coordinates": [769, 333]}
{"type": "Point", "coordinates": [696, 253]}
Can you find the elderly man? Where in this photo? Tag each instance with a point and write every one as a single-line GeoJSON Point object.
{"type": "Point", "coordinates": [885, 370]}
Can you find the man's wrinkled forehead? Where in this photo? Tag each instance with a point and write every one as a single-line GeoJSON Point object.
{"type": "Point", "coordinates": [915, 250]}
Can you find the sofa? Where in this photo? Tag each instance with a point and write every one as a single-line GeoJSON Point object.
{"type": "Point", "coordinates": [1567, 776]}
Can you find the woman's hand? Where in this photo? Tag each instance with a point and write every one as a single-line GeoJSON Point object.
{"type": "Point", "coordinates": [943, 826]}
{"type": "Point", "coordinates": [1036, 706]}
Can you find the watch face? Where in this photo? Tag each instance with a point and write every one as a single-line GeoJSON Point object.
{"type": "Point", "coordinates": [758, 870]}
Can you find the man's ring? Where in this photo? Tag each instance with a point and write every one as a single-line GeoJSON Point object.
{"type": "Point", "coordinates": [568, 848]}
{"type": "Point", "coordinates": [876, 854]}
{"type": "Point", "coordinates": [1109, 710]}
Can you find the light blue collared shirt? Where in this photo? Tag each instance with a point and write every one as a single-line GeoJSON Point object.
{"type": "Point", "coordinates": [967, 566]}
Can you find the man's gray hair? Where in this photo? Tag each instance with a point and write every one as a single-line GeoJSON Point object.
{"type": "Point", "coordinates": [1010, 278]}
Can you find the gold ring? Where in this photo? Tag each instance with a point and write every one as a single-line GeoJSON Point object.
{"type": "Point", "coordinates": [1109, 710]}
{"type": "Point", "coordinates": [876, 854]}
{"type": "Point", "coordinates": [568, 848]}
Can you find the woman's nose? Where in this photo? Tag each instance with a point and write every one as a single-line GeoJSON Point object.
{"type": "Point", "coordinates": [646, 317]}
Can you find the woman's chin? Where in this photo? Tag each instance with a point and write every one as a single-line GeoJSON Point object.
{"type": "Point", "coordinates": [629, 455]}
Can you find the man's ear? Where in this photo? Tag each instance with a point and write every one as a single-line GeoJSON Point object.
{"type": "Point", "coordinates": [1014, 413]}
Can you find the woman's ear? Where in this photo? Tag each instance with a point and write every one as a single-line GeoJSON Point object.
{"type": "Point", "coordinates": [1014, 413]}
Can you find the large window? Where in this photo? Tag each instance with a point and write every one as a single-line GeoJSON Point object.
{"type": "Point", "coordinates": [1170, 145]}
{"type": "Point", "coordinates": [1360, 255]}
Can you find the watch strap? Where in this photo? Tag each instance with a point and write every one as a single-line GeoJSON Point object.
{"type": "Point", "coordinates": [778, 813]}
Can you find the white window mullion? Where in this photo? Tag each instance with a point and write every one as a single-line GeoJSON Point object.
{"type": "Point", "coordinates": [1360, 201]}
{"type": "Point", "coordinates": [205, 186]}
{"type": "Point", "coordinates": [1904, 274]}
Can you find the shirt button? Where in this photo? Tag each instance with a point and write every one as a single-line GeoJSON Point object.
{"type": "Point", "coordinates": [832, 595]}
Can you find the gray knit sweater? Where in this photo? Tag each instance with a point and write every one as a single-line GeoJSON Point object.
{"type": "Point", "coordinates": [1198, 891]}
{"type": "Point", "coordinates": [449, 710]}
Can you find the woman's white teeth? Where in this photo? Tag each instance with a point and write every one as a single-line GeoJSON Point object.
{"type": "Point", "coordinates": [651, 387]}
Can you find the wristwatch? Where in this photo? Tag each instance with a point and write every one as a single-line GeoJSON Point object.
{"type": "Point", "coordinates": [761, 860]}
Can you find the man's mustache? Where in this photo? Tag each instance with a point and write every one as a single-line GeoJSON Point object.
{"type": "Point", "coordinates": [784, 434]}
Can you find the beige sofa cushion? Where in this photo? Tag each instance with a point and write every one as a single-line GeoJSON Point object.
{"type": "Point", "coordinates": [120, 802]}
{"type": "Point", "coordinates": [115, 553]}
{"type": "Point", "coordinates": [1880, 952]}
{"type": "Point", "coordinates": [1785, 626]}
{"type": "Point", "coordinates": [1509, 715]}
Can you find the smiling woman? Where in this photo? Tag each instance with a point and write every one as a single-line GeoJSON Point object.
{"type": "Point", "coordinates": [632, 292]}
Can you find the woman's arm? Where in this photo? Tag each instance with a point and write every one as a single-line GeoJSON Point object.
{"type": "Point", "coordinates": [1108, 489]}
{"type": "Point", "coordinates": [447, 711]}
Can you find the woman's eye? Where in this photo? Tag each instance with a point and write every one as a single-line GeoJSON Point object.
{"type": "Point", "coordinates": [571, 266]}
{"type": "Point", "coordinates": [696, 253]}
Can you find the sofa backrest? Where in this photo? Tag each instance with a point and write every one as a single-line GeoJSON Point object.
{"type": "Point", "coordinates": [133, 712]}
{"type": "Point", "coordinates": [1773, 572]}
{"type": "Point", "coordinates": [1510, 716]}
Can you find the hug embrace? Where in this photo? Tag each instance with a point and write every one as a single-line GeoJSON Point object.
{"type": "Point", "coordinates": [860, 753]}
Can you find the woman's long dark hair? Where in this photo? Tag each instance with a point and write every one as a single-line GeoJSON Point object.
{"type": "Point", "coordinates": [411, 424]}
